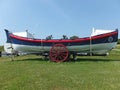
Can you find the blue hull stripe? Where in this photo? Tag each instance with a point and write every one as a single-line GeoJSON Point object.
{"type": "Point", "coordinates": [109, 39]}
{"type": "Point", "coordinates": [99, 39]}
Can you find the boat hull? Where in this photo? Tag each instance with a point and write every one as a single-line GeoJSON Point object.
{"type": "Point", "coordinates": [101, 44]}
{"type": "Point", "coordinates": [95, 49]}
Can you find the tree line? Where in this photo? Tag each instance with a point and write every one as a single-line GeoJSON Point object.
{"type": "Point", "coordinates": [118, 41]}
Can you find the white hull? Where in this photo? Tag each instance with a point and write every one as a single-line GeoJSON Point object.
{"type": "Point", "coordinates": [96, 48]}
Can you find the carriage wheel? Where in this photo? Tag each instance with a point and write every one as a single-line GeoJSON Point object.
{"type": "Point", "coordinates": [58, 53]}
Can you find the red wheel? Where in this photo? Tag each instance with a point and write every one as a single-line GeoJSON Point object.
{"type": "Point", "coordinates": [58, 53]}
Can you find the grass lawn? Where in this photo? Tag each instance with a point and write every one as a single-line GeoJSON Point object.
{"type": "Point", "coordinates": [87, 73]}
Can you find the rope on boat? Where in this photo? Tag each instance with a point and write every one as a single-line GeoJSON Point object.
{"type": "Point", "coordinates": [90, 46]}
{"type": "Point", "coordinates": [42, 45]}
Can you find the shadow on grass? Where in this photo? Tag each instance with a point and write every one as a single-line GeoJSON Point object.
{"type": "Point", "coordinates": [96, 59]}
{"type": "Point", "coordinates": [32, 59]}
{"type": "Point", "coordinates": [80, 59]}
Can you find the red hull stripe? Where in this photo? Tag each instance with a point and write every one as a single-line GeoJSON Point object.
{"type": "Point", "coordinates": [63, 41]}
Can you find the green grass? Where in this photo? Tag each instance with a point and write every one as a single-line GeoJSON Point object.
{"type": "Point", "coordinates": [87, 73]}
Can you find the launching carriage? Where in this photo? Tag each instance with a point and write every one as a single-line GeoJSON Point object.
{"type": "Point", "coordinates": [59, 50]}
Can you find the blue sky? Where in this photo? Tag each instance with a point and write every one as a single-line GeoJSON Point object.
{"type": "Point", "coordinates": [58, 17]}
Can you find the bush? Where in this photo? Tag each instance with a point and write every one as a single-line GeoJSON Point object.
{"type": "Point", "coordinates": [118, 41]}
{"type": "Point", "coordinates": [1, 48]}
{"type": "Point", "coordinates": [74, 37]}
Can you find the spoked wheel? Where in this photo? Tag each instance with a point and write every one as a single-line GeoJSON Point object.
{"type": "Point", "coordinates": [58, 53]}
